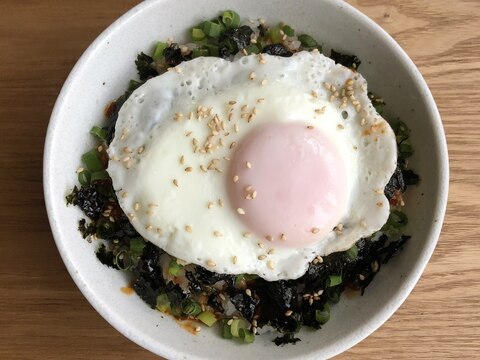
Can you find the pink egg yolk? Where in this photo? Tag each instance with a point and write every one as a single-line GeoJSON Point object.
{"type": "Point", "coordinates": [288, 184]}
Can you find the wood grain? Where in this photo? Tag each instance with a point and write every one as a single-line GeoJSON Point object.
{"type": "Point", "coordinates": [42, 313]}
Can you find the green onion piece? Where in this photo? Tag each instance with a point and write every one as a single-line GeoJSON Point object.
{"type": "Point", "coordinates": [275, 35]}
{"type": "Point", "coordinates": [123, 260]}
{"type": "Point", "coordinates": [288, 30]}
{"type": "Point", "coordinates": [137, 245]}
{"type": "Point", "coordinates": [99, 175]}
{"type": "Point", "coordinates": [197, 34]}
{"type": "Point", "coordinates": [163, 303]}
{"type": "Point", "coordinates": [190, 307]}
{"type": "Point", "coordinates": [133, 85]}
{"type": "Point", "coordinates": [247, 336]}
{"type": "Point", "coordinates": [207, 317]}
{"type": "Point", "coordinates": [226, 333]}
{"type": "Point", "coordinates": [252, 49]}
{"type": "Point", "coordinates": [198, 52]}
{"type": "Point", "coordinates": [397, 219]}
{"type": "Point", "coordinates": [158, 51]}
{"type": "Point", "coordinates": [333, 294]}
{"type": "Point", "coordinates": [322, 316]}
{"type": "Point", "coordinates": [405, 149]}
{"type": "Point", "coordinates": [334, 280]}
{"type": "Point", "coordinates": [231, 19]}
{"type": "Point", "coordinates": [238, 324]}
{"type": "Point", "coordinates": [212, 29]}
{"type": "Point", "coordinates": [92, 161]}
{"type": "Point", "coordinates": [84, 177]}
{"type": "Point", "coordinates": [98, 132]}
{"type": "Point", "coordinates": [402, 131]}
{"type": "Point", "coordinates": [174, 268]}
{"type": "Point", "coordinates": [352, 253]}
{"type": "Point", "coordinates": [307, 41]}
{"type": "Point", "coordinates": [213, 50]}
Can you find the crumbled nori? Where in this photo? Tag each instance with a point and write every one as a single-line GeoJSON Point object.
{"type": "Point", "coordinates": [145, 67]}
{"type": "Point", "coordinates": [277, 50]}
{"type": "Point", "coordinates": [86, 229]}
{"type": "Point", "coordinates": [350, 61]}
{"type": "Point", "coordinates": [395, 184]}
{"type": "Point", "coordinates": [410, 177]}
{"type": "Point", "coordinates": [193, 284]}
{"type": "Point", "coordinates": [88, 199]}
{"type": "Point", "coordinates": [244, 304]}
{"type": "Point", "coordinates": [173, 55]}
{"type": "Point", "coordinates": [106, 257]}
{"type": "Point", "coordinates": [240, 36]}
{"type": "Point", "coordinates": [286, 339]}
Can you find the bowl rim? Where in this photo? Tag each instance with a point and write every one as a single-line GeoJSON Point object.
{"type": "Point", "coordinates": [375, 322]}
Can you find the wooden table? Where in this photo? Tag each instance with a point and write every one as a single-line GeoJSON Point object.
{"type": "Point", "coordinates": [42, 313]}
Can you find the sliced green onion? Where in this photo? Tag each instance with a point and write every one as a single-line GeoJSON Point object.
{"type": "Point", "coordinates": [137, 245]}
{"type": "Point", "coordinates": [133, 85]}
{"type": "Point", "coordinates": [247, 336]}
{"type": "Point", "coordinates": [158, 51]}
{"type": "Point", "coordinates": [99, 175]}
{"type": "Point", "coordinates": [213, 50]}
{"type": "Point", "coordinates": [405, 149]}
{"type": "Point", "coordinates": [92, 161]}
{"type": "Point", "coordinates": [322, 316]}
{"type": "Point", "coordinates": [84, 177]}
{"type": "Point", "coordinates": [333, 295]}
{"type": "Point", "coordinates": [231, 19]}
{"type": "Point", "coordinates": [287, 29]}
{"type": "Point", "coordinates": [123, 261]}
{"type": "Point", "coordinates": [307, 41]}
{"type": "Point", "coordinates": [197, 34]}
{"type": "Point", "coordinates": [252, 49]}
{"type": "Point", "coordinates": [334, 280]}
{"type": "Point", "coordinates": [402, 131]}
{"type": "Point", "coordinates": [238, 324]}
{"type": "Point", "coordinates": [190, 307]}
{"type": "Point", "coordinates": [198, 52]}
{"type": "Point", "coordinates": [174, 268]}
{"type": "Point", "coordinates": [207, 317]}
{"type": "Point", "coordinates": [352, 253]}
{"type": "Point", "coordinates": [212, 29]}
{"type": "Point", "coordinates": [163, 303]}
{"type": "Point", "coordinates": [226, 333]}
{"type": "Point", "coordinates": [275, 35]}
{"type": "Point", "coordinates": [99, 133]}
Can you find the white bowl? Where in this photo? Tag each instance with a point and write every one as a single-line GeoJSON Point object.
{"type": "Point", "coordinates": [102, 74]}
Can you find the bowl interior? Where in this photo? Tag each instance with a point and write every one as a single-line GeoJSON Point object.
{"type": "Point", "coordinates": [102, 74]}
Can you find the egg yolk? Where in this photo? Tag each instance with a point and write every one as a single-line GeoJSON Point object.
{"type": "Point", "coordinates": [288, 184]}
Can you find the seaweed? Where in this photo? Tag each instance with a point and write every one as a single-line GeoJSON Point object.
{"type": "Point", "coordinates": [350, 61]}
{"type": "Point", "coordinates": [286, 339]}
{"type": "Point", "coordinates": [145, 67]}
{"type": "Point", "coordinates": [173, 55]}
{"type": "Point", "coordinates": [88, 199]}
{"type": "Point", "coordinates": [240, 36]}
{"type": "Point", "coordinates": [244, 304]}
{"type": "Point", "coordinates": [395, 184]}
{"type": "Point", "coordinates": [277, 50]}
{"type": "Point", "coordinates": [106, 257]}
{"type": "Point", "coordinates": [410, 177]}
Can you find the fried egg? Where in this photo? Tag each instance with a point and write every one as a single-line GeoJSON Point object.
{"type": "Point", "coordinates": [255, 166]}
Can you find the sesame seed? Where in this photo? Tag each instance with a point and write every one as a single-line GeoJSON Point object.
{"type": "Point", "coordinates": [188, 228]}
{"type": "Point", "coordinates": [80, 169]}
{"type": "Point", "coordinates": [315, 230]}
{"type": "Point", "coordinates": [319, 259]}
{"type": "Point", "coordinates": [233, 144]}
{"type": "Point", "coordinates": [188, 169]}
{"type": "Point", "coordinates": [211, 263]}
{"type": "Point", "coordinates": [260, 100]}
{"type": "Point", "coordinates": [309, 127]}
{"type": "Point", "coordinates": [271, 265]}
{"type": "Point", "coordinates": [321, 110]}
{"type": "Point", "coordinates": [235, 178]}
{"type": "Point", "coordinates": [283, 237]}
{"type": "Point", "coordinates": [363, 122]}
{"type": "Point", "coordinates": [178, 70]}
{"type": "Point", "coordinates": [252, 75]}
{"type": "Point", "coordinates": [361, 277]}
{"type": "Point", "coordinates": [189, 133]}
{"type": "Point", "coordinates": [264, 82]}
{"type": "Point", "coordinates": [127, 150]}
{"type": "Point", "coordinates": [328, 86]}
{"type": "Point", "coordinates": [210, 205]}
{"type": "Point", "coordinates": [269, 238]}
{"type": "Point", "coordinates": [175, 182]}
{"type": "Point", "coordinates": [226, 158]}
{"type": "Point", "coordinates": [198, 329]}
{"type": "Point", "coordinates": [247, 235]}
{"type": "Point", "coordinates": [288, 313]}
{"type": "Point", "coordinates": [310, 301]}
{"type": "Point", "coordinates": [248, 164]}
{"type": "Point", "coordinates": [254, 194]}
{"type": "Point", "coordinates": [332, 98]}
{"type": "Point", "coordinates": [126, 159]}
{"type": "Point", "coordinates": [124, 194]}
{"type": "Point", "coordinates": [203, 168]}
{"type": "Point", "coordinates": [379, 191]}
{"type": "Point", "coordinates": [241, 211]}
{"type": "Point", "coordinates": [358, 108]}
{"type": "Point", "coordinates": [178, 116]}
{"type": "Point", "coordinates": [363, 224]}
{"type": "Point", "coordinates": [374, 265]}
{"type": "Point", "coordinates": [379, 204]}
{"type": "Point", "coordinates": [232, 102]}
{"type": "Point", "coordinates": [261, 245]}
{"type": "Point", "coordinates": [221, 296]}
{"type": "Point", "coordinates": [314, 94]}
{"type": "Point", "coordinates": [248, 292]}
{"type": "Point", "coordinates": [220, 202]}
{"type": "Point", "coordinates": [262, 257]}
{"type": "Point", "coordinates": [229, 322]}
{"type": "Point", "coordinates": [271, 251]}
{"type": "Point", "coordinates": [340, 126]}
{"type": "Point", "coordinates": [182, 159]}
{"type": "Point", "coordinates": [234, 259]}
{"type": "Point", "coordinates": [148, 227]}
{"type": "Point", "coordinates": [217, 233]}
{"type": "Point", "coordinates": [136, 206]}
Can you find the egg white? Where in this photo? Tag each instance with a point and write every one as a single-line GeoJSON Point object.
{"type": "Point", "coordinates": [169, 205]}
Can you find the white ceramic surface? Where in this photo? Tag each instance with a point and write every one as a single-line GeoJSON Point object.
{"type": "Point", "coordinates": [102, 74]}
